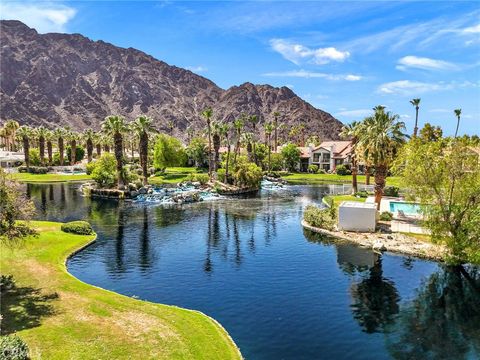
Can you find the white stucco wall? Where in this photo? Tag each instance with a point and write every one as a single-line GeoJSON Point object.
{"type": "Point", "coordinates": [357, 216]}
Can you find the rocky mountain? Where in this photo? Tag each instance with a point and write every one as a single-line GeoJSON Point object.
{"type": "Point", "coordinates": [68, 79]}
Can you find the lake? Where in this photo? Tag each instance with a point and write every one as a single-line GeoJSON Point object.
{"type": "Point", "coordinates": [282, 292]}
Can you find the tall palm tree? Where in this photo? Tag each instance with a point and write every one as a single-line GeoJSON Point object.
{"type": "Point", "coordinates": [351, 131]}
{"type": "Point", "coordinates": [216, 139]}
{"type": "Point", "coordinates": [248, 139]}
{"type": "Point", "coordinates": [225, 131]}
{"type": "Point", "coordinates": [60, 134]}
{"type": "Point", "coordinates": [207, 114]}
{"type": "Point", "coordinates": [41, 134]}
{"type": "Point", "coordinates": [269, 127]}
{"type": "Point", "coordinates": [73, 137]}
{"type": "Point", "coordinates": [26, 133]}
{"type": "Point", "coordinates": [381, 137]}
{"type": "Point", "coordinates": [49, 140]}
{"type": "Point", "coordinates": [416, 103]}
{"type": "Point", "coordinates": [89, 136]}
{"type": "Point", "coordinates": [253, 119]}
{"type": "Point", "coordinates": [11, 127]}
{"type": "Point", "coordinates": [238, 125]}
{"type": "Point", "coordinates": [115, 127]}
{"type": "Point", "coordinates": [97, 141]}
{"type": "Point", "coordinates": [143, 127]}
{"type": "Point", "coordinates": [106, 142]}
{"type": "Point", "coordinates": [276, 115]}
{"type": "Point", "coordinates": [457, 113]}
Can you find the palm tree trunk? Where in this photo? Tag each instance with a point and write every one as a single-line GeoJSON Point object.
{"type": "Point", "coordinates": [41, 141]}
{"type": "Point", "coordinates": [276, 138]}
{"type": "Point", "coordinates": [61, 150]}
{"type": "Point", "coordinates": [458, 124]}
{"type": "Point", "coordinates": [237, 148]}
{"type": "Point", "coordinates": [367, 174]}
{"type": "Point", "coordinates": [89, 150]}
{"type": "Point", "coordinates": [354, 176]}
{"type": "Point", "coordinates": [50, 152]}
{"type": "Point", "coordinates": [143, 150]}
{"type": "Point", "coordinates": [415, 129]}
{"type": "Point", "coordinates": [380, 176]}
{"type": "Point", "coordinates": [227, 162]}
{"type": "Point", "coordinates": [209, 150]}
{"type": "Point", "coordinates": [118, 142]}
{"type": "Point", "coordinates": [269, 153]}
{"type": "Point", "coordinates": [26, 150]}
{"type": "Point", "coordinates": [99, 150]}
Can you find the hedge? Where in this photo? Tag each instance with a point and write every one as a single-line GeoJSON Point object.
{"type": "Point", "coordinates": [77, 227]}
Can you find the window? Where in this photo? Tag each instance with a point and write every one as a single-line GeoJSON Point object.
{"type": "Point", "coordinates": [316, 158]}
{"type": "Point", "coordinates": [325, 157]}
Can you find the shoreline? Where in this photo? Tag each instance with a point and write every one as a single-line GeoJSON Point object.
{"type": "Point", "coordinates": [395, 242]}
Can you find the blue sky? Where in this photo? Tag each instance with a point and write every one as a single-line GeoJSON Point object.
{"type": "Point", "coordinates": [343, 57]}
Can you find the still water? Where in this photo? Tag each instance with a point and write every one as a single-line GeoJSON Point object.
{"type": "Point", "coordinates": [281, 292]}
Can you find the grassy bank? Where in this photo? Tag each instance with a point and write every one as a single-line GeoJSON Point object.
{"type": "Point", "coordinates": [304, 178]}
{"type": "Point", "coordinates": [173, 175]}
{"type": "Point", "coordinates": [337, 199]}
{"type": "Point", "coordinates": [48, 178]}
{"type": "Point", "coordinates": [61, 317]}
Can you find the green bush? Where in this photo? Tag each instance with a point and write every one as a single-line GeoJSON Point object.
{"type": "Point", "coordinates": [391, 191]}
{"type": "Point", "coordinates": [105, 171]}
{"type": "Point", "coordinates": [7, 282]}
{"type": "Point", "coordinates": [221, 175]}
{"type": "Point", "coordinates": [246, 174]}
{"type": "Point", "coordinates": [291, 156]}
{"type": "Point", "coordinates": [342, 170]}
{"type": "Point", "coordinates": [33, 169]}
{"type": "Point", "coordinates": [79, 154]}
{"type": "Point", "coordinates": [386, 216]}
{"type": "Point", "coordinates": [13, 348]}
{"type": "Point", "coordinates": [321, 218]}
{"type": "Point", "coordinates": [34, 157]}
{"type": "Point", "coordinates": [312, 169]}
{"type": "Point", "coordinates": [201, 178]}
{"type": "Point", "coordinates": [321, 171]}
{"type": "Point", "coordinates": [276, 162]}
{"type": "Point", "coordinates": [77, 227]}
{"type": "Point", "coordinates": [90, 167]}
{"type": "Point", "coordinates": [361, 194]}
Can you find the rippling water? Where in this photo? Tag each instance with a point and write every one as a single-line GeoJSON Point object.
{"type": "Point", "coordinates": [281, 292]}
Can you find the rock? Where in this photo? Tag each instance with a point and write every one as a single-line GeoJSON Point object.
{"type": "Point", "coordinates": [196, 184]}
{"type": "Point", "coordinates": [390, 237]}
{"type": "Point", "coordinates": [143, 190]}
{"type": "Point", "coordinates": [150, 191]}
{"type": "Point", "coordinates": [379, 246]}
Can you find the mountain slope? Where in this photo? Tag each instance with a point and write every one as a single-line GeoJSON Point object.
{"type": "Point", "coordinates": [67, 79]}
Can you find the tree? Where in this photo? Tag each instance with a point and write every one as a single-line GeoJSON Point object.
{"type": "Point", "coordinates": [351, 131]}
{"type": "Point", "coordinates": [49, 139]}
{"type": "Point", "coordinates": [457, 113]}
{"type": "Point", "coordinates": [26, 133]}
{"type": "Point", "coordinates": [226, 133]}
{"type": "Point", "coordinates": [217, 132]}
{"type": "Point", "coordinates": [114, 126]}
{"type": "Point", "coordinates": [381, 137]}
{"type": "Point", "coordinates": [40, 133]}
{"type": "Point", "coordinates": [89, 136]}
{"type": "Point", "coordinates": [14, 205]}
{"type": "Point", "coordinates": [197, 151]}
{"type": "Point", "coordinates": [104, 171]}
{"type": "Point", "coordinates": [238, 125]}
{"type": "Point", "coordinates": [246, 174]}
{"type": "Point", "coordinates": [168, 151]}
{"type": "Point", "coordinates": [276, 115]}
{"type": "Point", "coordinates": [253, 119]}
{"type": "Point", "coordinates": [416, 103]}
{"type": "Point", "coordinates": [430, 133]}
{"type": "Point", "coordinates": [11, 127]}
{"type": "Point", "coordinates": [143, 127]}
{"type": "Point", "coordinates": [269, 127]}
{"type": "Point", "coordinates": [207, 114]}
{"type": "Point", "coordinates": [60, 133]}
{"type": "Point", "coordinates": [72, 139]}
{"type": "Point", "coordinates": [291, 156]}
{"type": "Point", "coordinates": [444, 176]}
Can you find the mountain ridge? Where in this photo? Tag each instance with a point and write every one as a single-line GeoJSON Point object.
{"type": "Point", "coordinates": [68, 79]}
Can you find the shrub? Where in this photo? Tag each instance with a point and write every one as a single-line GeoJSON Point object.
{"type": "Point", "coordinates": [13, 348]}
{"type": "Point", "coordinates": [77, 227]}
{"type": "Point", "coordinates": [168, 151]}
{"type": "Point", "coordinates": [321, 218]}
{"type": "Point", "coordinates": [104, 171]}
{"type": "Point", "coordinates": [361, 194]}
{"type": "Point", "coordinates": [79, 154]}
{"type": "Point", "coordinates": [90, 167]}
{"type": "Point", "coordinates": [276, 162]}
{"type": "Point", "coordinates": [321, 171]}
{"type": "Point", "coordinates": [391, 191]}
{"type": "Point", "coordinates": [7, 282]}
{"type": "Point", "coordinates": [342, 170]}
{"type": "Point", "coordinates": [33, 169]}
{"type": "Point", "coordinates": [291, 156]}
{"type": "Point", "coordinates": [34, 157]}
{"type": "Point", "coordinates": [312, 169]}
{"type": "Point", "coordinates": [386, 216]}
{"type": "Point", "coordinates": [201, 178]}
{"type": "Point", "coordinates": [221, 175]}
{"type": "Point", "coordinates": [246, 174]}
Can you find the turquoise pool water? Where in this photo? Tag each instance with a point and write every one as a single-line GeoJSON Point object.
{"type": "Point", "coordinates": [407, 208]}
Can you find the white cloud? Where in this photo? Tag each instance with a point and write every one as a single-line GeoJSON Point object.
{"type": "Point", "coordinates": [472, 29]}
{"type": "Point", "coordinates": [354, 113]}
{"type": "Point", "coordinates": [424, 63]}
{"type": "Point", "coordinates": [197, 69]}
{"type": "Point", "coordinates": [411, 88]}
{"type": "Point", "coordinates": [44, 17]}
{"type": "Point", "coordinates": [405, 116]}
{"type": "Point", "coordinates": [313, 74]}
{"type": "Point", "coordinates": [298, 53]}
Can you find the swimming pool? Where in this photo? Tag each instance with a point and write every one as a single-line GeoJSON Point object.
{"type": "Point", "coordinates": [406, 207]}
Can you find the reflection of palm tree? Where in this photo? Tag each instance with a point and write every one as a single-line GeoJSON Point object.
{"type": "Point", "coordinates": [443, 319]}
{"type": "Point", "coordinates": [119, 248]}
{"type": "Point", "coordinates": [236, 235]}
{"type": "Point", "coordinates": [144, 242]}
{"type": "Point", "coordinates": [207, 267]}
{"type": "Point", "coordinates": [375, 301]}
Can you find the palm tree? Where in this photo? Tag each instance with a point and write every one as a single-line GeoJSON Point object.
{"type": "Point", "coordinates": [207, 114]}
{"type": "Point", "coordinates": [269, 127]}
{"type": "Point", "coordinates": [49, 139]}
{"type": "Point", "coordinates": [26, 133]}
{"type": "Point", "coordinates": [60, 133]}
{"type": "Point", "coordinates": [11, 127]}
{"type": "Point", "coordinates": [276, 114]}
{"type": "Point", "coordinates": [143, 127]}
{"type": "Point", "coordinates": [106, 141]}
{"type": "Point", "coordinates": [216, 139]}
{"type": "Point", "coordinates": [416, 103]}
{"type": "Point", "coordinates": [73, 137]}
{"type": "Point", "coordinates": [248, 139]}
{"type": "Point", "coordinates": [115, 126]}
{"type": "Point", "coordinates": [253, 119]}
{"type": "Point", "coordinates": [381, 137]}
{"type": "Point", "coordinates": [97, 141]}
{"type": "Point", "coordinates": [351, 131]}
{"type": "Point", "coordinates": [225, 131]}
{"type": "Point", "coordinates": [89, 136]}
{"type": "Point", "coordinates": [457, 113]}
{"type": "Point", "coordinates": [238, 125]}
{"type": "Point", "coordinates": [41, 134]}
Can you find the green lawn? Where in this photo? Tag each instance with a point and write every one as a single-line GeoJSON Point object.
{"type": "Point", "coordinates": [61, 317]}
{"type": "Point", "coordinates": [304, 178]}
{"type": "Point", "coordinates": [46, 178]}
{"type": "Point", "coordinates": [337, 199]}
{"type": "Point", "coordinates": [173, 175]}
